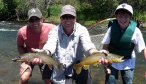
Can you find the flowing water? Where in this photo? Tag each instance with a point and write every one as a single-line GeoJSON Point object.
{"type": "Point", "coordinates": [9, 71]}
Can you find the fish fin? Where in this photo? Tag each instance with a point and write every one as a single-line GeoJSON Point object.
{"type": "Point", "coordinates": [95, 64]}
{"type": "Point", "coordinates": [86, 67]}
{"type": "Point", "coordinates": [77, 69]}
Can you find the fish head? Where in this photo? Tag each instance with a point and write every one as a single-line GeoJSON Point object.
{"type": "Point", "coordinates": [25, 59]}
{"type": "Point", "coordinates": [115, 58]}
{"type": "Point", "coordinates": [120, 59]}
{"type": "Point", "coordinates": [16, 59]}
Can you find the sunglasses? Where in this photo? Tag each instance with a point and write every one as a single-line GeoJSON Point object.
{"type": "Point", "coordinates": [68, 17]}
{"type": "Point", "coordinates": [34, 19]}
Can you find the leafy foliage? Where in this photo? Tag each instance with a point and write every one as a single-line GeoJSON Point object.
{"type": "Point", "coordinates": [87, 10]}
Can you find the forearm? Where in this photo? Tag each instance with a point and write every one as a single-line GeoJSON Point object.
{"type": "Point", "coordinates": [105, 50]}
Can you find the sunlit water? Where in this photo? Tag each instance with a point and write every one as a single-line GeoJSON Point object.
{"type": "Point", "coordinates": [9, 71]}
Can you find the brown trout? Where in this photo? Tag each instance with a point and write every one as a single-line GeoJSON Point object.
{"type": "Point", "coordinates": [94, 60]}
{"type": "Point", "coordinates": [28, 57]}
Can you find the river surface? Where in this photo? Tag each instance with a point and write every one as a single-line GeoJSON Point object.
{"type": "Point", "coordinates": [9, 71]}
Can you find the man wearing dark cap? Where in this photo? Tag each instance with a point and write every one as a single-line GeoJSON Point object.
{"type": "Point", "coordinates": [122, 38]}
{"type": "Point", "coordinates": [33, 36]}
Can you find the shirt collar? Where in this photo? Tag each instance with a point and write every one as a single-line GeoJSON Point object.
{"type": "Point", "coordinates": [62, 31]}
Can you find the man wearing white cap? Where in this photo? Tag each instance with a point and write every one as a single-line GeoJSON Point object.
{"type": "Point", "coordinates": [122, 38]}
{"type": "Point", "coordinates": [32, 36]}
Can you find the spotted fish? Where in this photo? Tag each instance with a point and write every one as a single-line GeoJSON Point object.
{"type": "Point", "coordinates": [94, 60]}
{"type": "Point", "coordinates": [28, 57]}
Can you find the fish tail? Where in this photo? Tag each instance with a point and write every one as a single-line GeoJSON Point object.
{"type": "Point", "coordinates": [77, 69]}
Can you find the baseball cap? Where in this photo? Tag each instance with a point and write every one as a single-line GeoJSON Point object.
{"type": "Point", "coordinates": [125, 6]}
{"type": "Point", "coordinates": [34, 12]}
{"type": "Point", "coordinates": [68, 9]}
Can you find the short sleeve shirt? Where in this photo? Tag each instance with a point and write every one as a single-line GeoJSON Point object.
{"type": "Point", "coordinates": [28, 38]}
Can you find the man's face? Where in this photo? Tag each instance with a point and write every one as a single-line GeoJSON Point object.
{"type": "Point", "coordinates": [34, 22]}
{"type": "Point", "coordinates": [68, 21]}
{"type": "Point", "coordinates": [123, 18]}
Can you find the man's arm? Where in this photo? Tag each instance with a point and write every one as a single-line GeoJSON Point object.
{"type": "Point", "coordinates": [93, 50]}
{"type": "Point", "coordinates": [20, 46]}
{"type": "Point", "coordinates": [20, 43]}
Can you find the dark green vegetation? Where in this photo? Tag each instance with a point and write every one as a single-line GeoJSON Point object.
{"type": "Point", "coordinates": [88, 11]}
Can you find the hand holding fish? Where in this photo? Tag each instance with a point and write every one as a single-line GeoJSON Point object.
{"type": "Point", "coordinates": [37, 61]}
{"type": "Point", "coordinates": [37, 50]}
{"type": "Point", "coordinates": [40, 51]}
{"type": "Point", "coordinates": [24, 67]}
{"type": "Point", "coordinates": [103, 61]}
{"type": "Point", "coordinates": [104, 51]}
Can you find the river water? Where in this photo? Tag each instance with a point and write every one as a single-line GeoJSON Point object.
{"type": "Point", "coordinates": [9, 71]}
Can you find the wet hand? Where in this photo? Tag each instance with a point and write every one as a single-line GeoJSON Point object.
{"type": "Point", "coordinates": [37, 61]}
{"type": "Point", "coordinates": [37, 50]}
{"type": "Point", "coordinates": [24, 67]}
{"type": "Point", "coordinates": [40, 51]}
{"type": "Point", "coordinates": [106, 52]}
{"type": "Point", "coordinates": [104, 61]}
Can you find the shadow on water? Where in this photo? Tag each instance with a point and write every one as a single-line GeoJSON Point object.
{"type": "Point", "coordinates": [9, 71]}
